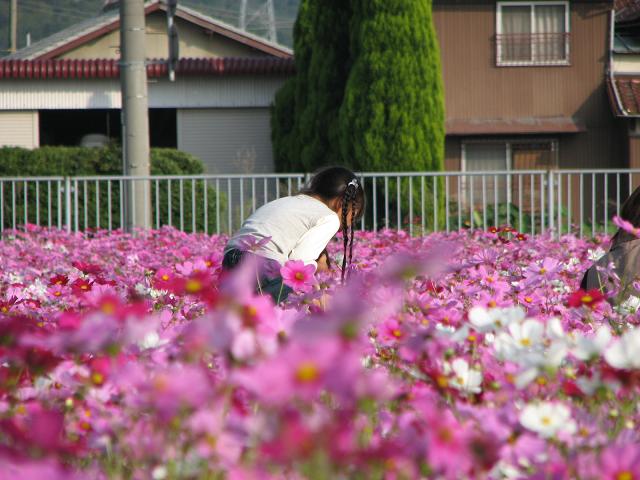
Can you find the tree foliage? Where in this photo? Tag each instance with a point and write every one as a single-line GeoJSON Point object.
{"type": "Point", "coordinates": [392, 116]}
{"type": "Point", "coordinates": [305, 134]}
{"type": "Point", "coordinates": [368, 90]}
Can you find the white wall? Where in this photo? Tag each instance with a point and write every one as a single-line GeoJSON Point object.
{"type": "Point", "coordinates": [189, 92]}
{"type": "Point", "coordinates": [19, 129]}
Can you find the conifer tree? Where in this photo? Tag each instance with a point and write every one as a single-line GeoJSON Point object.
{"type": "Point", "coordinates": [392, 116]}
{"type": "Point", "coordinates": [305, 128]}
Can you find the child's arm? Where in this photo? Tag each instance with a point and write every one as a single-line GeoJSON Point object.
{"type": "Point", "coordinates": [323, 261]}
{"type": "Point", "coordinates": [312, 243]}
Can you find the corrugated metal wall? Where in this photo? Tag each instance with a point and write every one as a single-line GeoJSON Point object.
{"type": "Point", "coordinates": [250, 91]}
{"type": "Point", "coordinates": [19, 129]}
{"type": "Point", "coordinates": [227, 140]}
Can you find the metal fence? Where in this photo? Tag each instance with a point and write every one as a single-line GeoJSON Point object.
{"type": "Point", "coordinates": [532, 201]}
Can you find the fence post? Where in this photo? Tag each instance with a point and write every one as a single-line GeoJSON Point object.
{"type": "Point", "coordinates": [67, 203]}
{"type": "Point", "coordinates": [550, 187]}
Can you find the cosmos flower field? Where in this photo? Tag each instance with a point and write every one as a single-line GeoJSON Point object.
{"type": "Point", "coordinates": [462, 355]}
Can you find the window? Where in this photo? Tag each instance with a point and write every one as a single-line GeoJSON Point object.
{"type": "Point", "coordinates": [521, 189]}
{"type": "Point", "coordinates": [532, 33]}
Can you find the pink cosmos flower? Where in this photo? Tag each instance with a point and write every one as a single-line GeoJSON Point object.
{"type": "Point", "coordinates": [626, 226]}
{"type": "Point", "coordinates": [298, 276]}
{"type": "Point", "coordinates": [620, 462]}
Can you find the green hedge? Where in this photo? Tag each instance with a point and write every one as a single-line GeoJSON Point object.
{"type": "Point", "coordinates": [93, 196]}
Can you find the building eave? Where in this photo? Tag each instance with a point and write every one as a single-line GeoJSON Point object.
{"type": "Point", "coordinates": [69, 69]}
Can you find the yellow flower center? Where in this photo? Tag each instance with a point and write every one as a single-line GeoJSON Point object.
{"type": "Point", "coordinates": [528, 299]}
{"type": "Point", "coordinates": [108, 307]}
{"type": "Point", "coordinates": [193, 286]}
{"type": "Point", "coordinates": [4, 309]}
{"type": "Point", "coordinates": [543, 270]}
{"type": "Point", "coordinates": [57, 294]}
{"type": "Point", "coordinates": [442, 381]}
{"type": "Point", "coordinates": [587, 299]}
{"type": "Point", "coordinates": [546, 421]}
{"type": "Point", "coordinates": [307, 372]}
{"type": "Point", "coordinates": [299, 276]}
{"type": "Point", "coordinates": [492, 303]}
{"type": "Point", "coordinates": [97, 378]}
{"type": "Point", "coordinates": [165, 277]}
{"type": "Point", "coordinates": [397, 333]}
{"type": "Point", "coordinates": [626, 475]}
{"type": "Point", "coordinates": [525, 342]}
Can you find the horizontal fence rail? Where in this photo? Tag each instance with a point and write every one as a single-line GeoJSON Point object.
{"type": "Point", "coordinates": [531, 201]}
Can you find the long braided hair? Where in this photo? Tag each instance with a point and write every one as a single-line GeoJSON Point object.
{"type": "Point", "coordinates": [348, 205]}
{"type": "Point", "coordinates": [338, 182]}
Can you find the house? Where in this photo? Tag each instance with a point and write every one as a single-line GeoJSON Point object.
{"type": "Point", "coordinates": [525, 89]}
{"type": "Point", "coordinates": [525, 84]}
{"type": "Point", "coordinates": [624, 75]}
{"type": "Point", "coordinates": [65, 89]}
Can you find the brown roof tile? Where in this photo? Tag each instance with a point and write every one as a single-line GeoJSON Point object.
{"type": "Point", "coordinates": [109, 68]}
{"type": "Point", "coordinates": [627, 10]}
{"type": "Point", "coordinates": [624, 92]}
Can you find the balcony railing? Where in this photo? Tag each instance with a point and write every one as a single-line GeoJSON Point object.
{"type": "Point", "coordinates": [524, 49]}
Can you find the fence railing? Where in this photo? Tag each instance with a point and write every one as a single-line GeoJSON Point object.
{"type": "Point", "coordinates": [532, 201]}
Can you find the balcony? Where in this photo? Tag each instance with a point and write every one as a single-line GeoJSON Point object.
{"type": "Point", "coordinates": [532, 49]}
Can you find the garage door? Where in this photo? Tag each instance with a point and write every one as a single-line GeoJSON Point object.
{"type": "Point", "coordinates": [19, 129]}
{"type": "Point", "coordinates": [228, 140]}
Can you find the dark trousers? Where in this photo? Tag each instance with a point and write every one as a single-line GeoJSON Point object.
{"type": "Point", "coordinates": [270, 286]}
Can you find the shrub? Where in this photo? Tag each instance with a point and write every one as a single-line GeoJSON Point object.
{"type": "Point", "coordinates": [96, 202]}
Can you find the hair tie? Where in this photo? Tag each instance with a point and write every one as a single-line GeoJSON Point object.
{"type": "Point", "coordinates": [354, 183]}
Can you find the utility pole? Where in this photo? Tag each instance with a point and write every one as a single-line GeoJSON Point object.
{"type": "Point", "coordinates": [174, 44]}
{"type": "Point", "coordinates": [135, 113]}
{"type": "Point", "coordinates": [14, 26]}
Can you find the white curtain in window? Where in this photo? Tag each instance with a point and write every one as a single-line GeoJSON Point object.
{"type": "Point", "coordinates": [516, 33]}
{"type": "Point", "coordinates": [550, 29]}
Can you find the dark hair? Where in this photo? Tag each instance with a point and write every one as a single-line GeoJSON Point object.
{"type": "Point", "coordinates": [630, 212]}
{"type": "Point", "coordinates": [339, 182]}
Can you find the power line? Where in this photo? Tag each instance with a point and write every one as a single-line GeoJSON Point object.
{"type": "Point", "coordinates": [56, 9]}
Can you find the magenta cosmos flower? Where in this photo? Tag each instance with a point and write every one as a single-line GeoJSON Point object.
{"type": "Point", "coordinates": [297, 275]}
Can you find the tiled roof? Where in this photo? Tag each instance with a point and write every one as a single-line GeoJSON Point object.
{"type": "Point", "coordinates": [109, 69]}
{"type": "Point", "coordinates": [624, 92]}
{"type": "Point", "coordinates": [110, 20]}
{"type": "Point", "coordinates": [627, 10]}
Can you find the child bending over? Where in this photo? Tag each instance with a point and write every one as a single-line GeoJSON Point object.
{"type": "Point", "coordinates": [299, 227]}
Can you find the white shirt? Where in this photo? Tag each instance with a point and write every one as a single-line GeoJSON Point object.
{"type": "Point", "coordinates": [299, 227]}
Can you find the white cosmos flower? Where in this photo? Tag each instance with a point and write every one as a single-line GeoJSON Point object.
{"type": "Point", "coordinates": [521, 337]}
{"type": "Point", "coordinates": [586, 348]}
{"type": "Point", "coordinates": [547, 419]}
{"type": "Point", "coordinates": [450, 332]}
{"type": "Point", "coordinates": [625, 352]}
{"type": "Point", "coordinates": [629, 306]}
{"type": "Point", "coordinates": [487, 320]}
{"type": "Point", "coordinates": [595, 255]}
{"type": "Point", "coordinates": [464, 378]}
